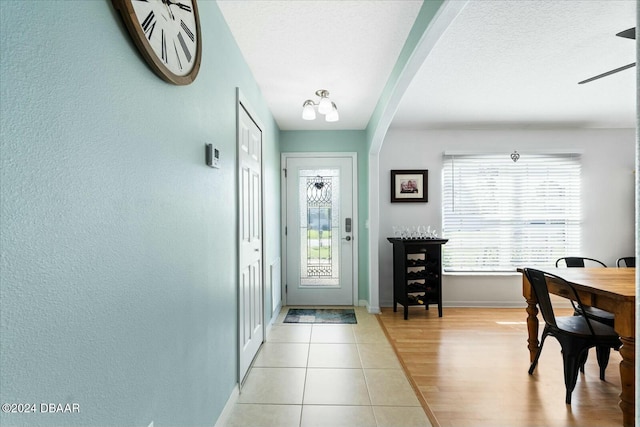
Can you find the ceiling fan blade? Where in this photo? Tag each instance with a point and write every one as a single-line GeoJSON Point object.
{"type": "Point", "coordinates": [629, 34]}
{"type": "Point", "coordinates": [608, 73]}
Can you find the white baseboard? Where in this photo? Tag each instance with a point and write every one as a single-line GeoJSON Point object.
{"type": "Point", "coordinates": [373, 310]}
{"type": "Point", "coordinates": [370, 310]}
{"type": "Point", "coordinates": [486, 304]}
{"type": "Point", "coordinates": [470, 304]}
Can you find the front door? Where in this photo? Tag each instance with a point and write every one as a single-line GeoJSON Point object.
{"type": "Point", "coordinates": [320, 231]}
{"type": "Point", "coordinates": [250, 239]}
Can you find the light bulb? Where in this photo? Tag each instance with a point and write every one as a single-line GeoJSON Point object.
{"type": "Point", "coordinates": [333, 114]}
{"type": "Point", "coordinates": [308, 112]}
{"type": "Point", "coordinates": [324, 106]}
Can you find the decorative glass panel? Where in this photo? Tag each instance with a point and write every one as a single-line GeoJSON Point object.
{"type": "Point", "coordinates": [319, 227]}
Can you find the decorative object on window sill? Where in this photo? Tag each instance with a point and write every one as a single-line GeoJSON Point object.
{"type": "Point", "coordinates": [325, 107]}
{"type": "Point", "coordinates": [409, 186]}
{"type": "Point", "coordinates": [515, 156]}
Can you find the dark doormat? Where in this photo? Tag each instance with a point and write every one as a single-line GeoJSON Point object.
{"type": "Point", "coordinates": [321, 315]}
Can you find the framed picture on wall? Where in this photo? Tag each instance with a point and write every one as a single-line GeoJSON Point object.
{"type": "Point", "coordinates": [409, 186]}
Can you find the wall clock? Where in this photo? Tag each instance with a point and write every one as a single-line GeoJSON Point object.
{"type": "Point", "coordinates": [167, 33]}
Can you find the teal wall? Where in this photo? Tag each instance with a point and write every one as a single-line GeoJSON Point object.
{"type": "Point", "coordinates": [118, 254]}
{"type": "Point", "coordinates": [341, 141]}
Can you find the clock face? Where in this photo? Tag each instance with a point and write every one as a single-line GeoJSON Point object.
{"type": "Point", "coordinates": [167, 32]}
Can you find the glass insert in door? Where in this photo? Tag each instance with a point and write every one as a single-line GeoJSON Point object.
{"type": "Point", "coordinates": [319, 196]}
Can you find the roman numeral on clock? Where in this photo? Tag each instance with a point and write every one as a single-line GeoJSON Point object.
{"type": "Point", "coordinates": [164, 48]}
{"type": "Point", "coordinates": [187, 30]}
{"type": "Point", "coordinates": [177, 56]}
{"type": "Point", "coordinates": [149, 24]}
{"type": "Point", "coordinates": [184, 47]}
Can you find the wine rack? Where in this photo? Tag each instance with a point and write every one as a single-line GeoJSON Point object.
{"type": "Point", "coordinates": [417, 273]}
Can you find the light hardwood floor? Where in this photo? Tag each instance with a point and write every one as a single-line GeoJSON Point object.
{"type": "Point", "coordinates": [470, 367]}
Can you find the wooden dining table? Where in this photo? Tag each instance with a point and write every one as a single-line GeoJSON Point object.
{"type": "Point", "coordinates": [610, 289]}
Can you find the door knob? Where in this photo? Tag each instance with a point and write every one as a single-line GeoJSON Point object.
{"type": "Point", "coordinates": [348, 238]}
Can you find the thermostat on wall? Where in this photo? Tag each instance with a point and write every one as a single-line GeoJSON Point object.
{"type": "Point", "coordinates": [213, 156]}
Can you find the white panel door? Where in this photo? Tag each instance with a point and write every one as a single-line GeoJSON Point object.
{"type": "Point", "coordinates": [320, 231]}
{"type": "Point", "coordinates": [250, 240]}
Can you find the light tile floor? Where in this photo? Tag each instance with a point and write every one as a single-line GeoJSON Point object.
{"type": "Point", "coordinates": [327, 376]}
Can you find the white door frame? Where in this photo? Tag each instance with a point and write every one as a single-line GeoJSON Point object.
{"type": "Point", "coordinates": [243, 103]}
{"type": "Point", "coordinates": [354, 194]}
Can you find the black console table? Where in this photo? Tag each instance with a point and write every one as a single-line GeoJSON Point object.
{"type": "Point", "coordinates": [417, 273]}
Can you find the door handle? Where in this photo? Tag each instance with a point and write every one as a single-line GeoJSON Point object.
{"type": "Point", "coordinates": [348, 238]}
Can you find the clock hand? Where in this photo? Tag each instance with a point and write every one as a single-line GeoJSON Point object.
{"type": "Point", "coordinates": [180, 5]}
{"type": "Point", "coordinates": [183, 6]}
{"type": "Point", "coordinates": [167, 3]}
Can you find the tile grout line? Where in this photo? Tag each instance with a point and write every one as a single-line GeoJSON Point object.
{"type": "Point", "coordinates": [361, 368]}
{"type": "Point", "coordinates": [304, 383]}
{"type": "Point", "coordinates": [306, 375]}
{"type": "Point", "coordinates": [366, 381]}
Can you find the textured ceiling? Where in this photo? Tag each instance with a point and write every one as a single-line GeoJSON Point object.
{"type": "Point", "coordinates": [518, 63]}
{"type": "Point", "coordinates": [499, 64]}
{"type": "Point", "coordinates": [296, 47]}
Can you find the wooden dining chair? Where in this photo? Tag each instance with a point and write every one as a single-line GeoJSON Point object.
{"type": "Point", "coordinates": [576, 334]}
{"type": "Point", "coordinates": [628, 261]}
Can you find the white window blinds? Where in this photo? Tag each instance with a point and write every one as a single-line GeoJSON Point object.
{"type": "Point", "coordinates": [499, 214]}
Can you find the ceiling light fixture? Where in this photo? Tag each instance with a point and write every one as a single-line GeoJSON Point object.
{"type": "Point", "coordinates": [325, 107]}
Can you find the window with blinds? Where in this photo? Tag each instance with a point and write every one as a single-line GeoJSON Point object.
{"type": "Point", "coordinates": [499, 214]}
